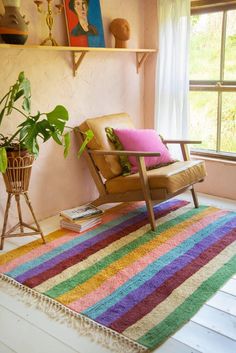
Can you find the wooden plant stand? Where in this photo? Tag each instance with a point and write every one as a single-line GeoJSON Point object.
{"type": "Point", "coordinates": [17, 179]}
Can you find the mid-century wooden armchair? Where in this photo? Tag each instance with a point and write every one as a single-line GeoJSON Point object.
{"type": "Point", "coordinates": [156, 185]}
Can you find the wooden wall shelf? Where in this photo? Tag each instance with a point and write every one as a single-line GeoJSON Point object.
{"type": "Point", "coordinates": [78, 53]}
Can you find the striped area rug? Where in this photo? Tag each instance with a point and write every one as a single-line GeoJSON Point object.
{"type": "Point", "coordinates": [135, 285]}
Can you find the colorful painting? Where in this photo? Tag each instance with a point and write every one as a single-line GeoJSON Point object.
{"type": "Point", "coordinates": [84, 23]}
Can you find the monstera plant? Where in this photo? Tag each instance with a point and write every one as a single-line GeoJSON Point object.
{"type": "Point", "coordinates": [34, 127]}
{"type": "Point", "coordinates": [18, 150]}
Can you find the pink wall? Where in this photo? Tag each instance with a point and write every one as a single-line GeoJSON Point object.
{"type": "Point", "coordinates": [106, 83]}
{"type": "Point", "coordinates": [220, 180]}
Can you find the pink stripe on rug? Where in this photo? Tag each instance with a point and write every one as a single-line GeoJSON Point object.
{"type": "Point", "coordinates": [122, 276]}
{"type": "Point", "coordinates": [108, 216]}
{"type": "Point", "coordinates": [37, 252]}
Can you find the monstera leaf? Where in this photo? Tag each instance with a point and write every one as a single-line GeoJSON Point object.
{"type": "Point", "coordinates": [58, 117]}
{"type": "Point", "coordinates": [3, 160]}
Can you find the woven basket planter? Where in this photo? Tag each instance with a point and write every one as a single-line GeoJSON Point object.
{"type": "Point", "coordinates": [17, 175]}
{"type": "Point", "coordinates": [17, 178]}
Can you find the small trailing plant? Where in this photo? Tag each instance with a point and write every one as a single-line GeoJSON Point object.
{"type": "Point", "coordinates": [34, 127]}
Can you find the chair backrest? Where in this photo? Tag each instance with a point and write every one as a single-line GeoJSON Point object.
{"type": "Point", "coordinates": [109, 166]}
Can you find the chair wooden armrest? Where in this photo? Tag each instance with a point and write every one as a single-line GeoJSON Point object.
{"type": "Point", "coordinates": [183, 141]}
{"type": "Point", "coordinates": [142, 173]}
{"type": "Point", "coordinates": [121, 153]}
{"type": "Point", "coordinates": [183, 145]}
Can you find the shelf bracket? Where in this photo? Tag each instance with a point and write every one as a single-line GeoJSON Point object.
{"type": "Point", "coordinates": [140, 59]}
{"type": "Point", "coordinates": [77, 60]}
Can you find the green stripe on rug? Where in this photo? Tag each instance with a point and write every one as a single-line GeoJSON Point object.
{"type": "Point", "coordinates": [84, 275]}
{"type": "Point", "coordinates": [190, 306]}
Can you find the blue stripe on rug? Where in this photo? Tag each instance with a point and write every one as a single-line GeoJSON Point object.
{"type": "Point", "coordinates": [135, 282]}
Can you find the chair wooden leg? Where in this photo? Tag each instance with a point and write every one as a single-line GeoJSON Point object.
{"type": "Point", "coordinates": [194, 196]}
{"type": "Point", "coordinates": [146, 191]}
{"type": "Point", "coordinates": [151, 214]}
{"type": "Point", "coordinates": [97, 202]}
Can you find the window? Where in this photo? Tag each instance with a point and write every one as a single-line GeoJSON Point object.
{"type": "Point", "coordinates": [213, 83]}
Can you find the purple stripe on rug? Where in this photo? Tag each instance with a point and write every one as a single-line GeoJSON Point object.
{"type": "Point", "coordinates": [161, 293]}
{"type": "Point", "coordinates": [110, 234]}
{"type": "Point", "coordinates": [134, 297]}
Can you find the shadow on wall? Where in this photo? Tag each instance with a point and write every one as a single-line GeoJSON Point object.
{"type": "Point", "coordinates": [59, 183]}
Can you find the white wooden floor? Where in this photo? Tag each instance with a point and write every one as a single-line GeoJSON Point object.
{"type": "Point", "coordinates": [26, 330]}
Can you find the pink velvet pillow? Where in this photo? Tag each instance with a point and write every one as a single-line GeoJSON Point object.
{"type": "Point", "coordinates": [145, 140]}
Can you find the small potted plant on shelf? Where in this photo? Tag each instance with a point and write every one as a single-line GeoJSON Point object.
{"type": "Point", "coordinates": [17, 151]}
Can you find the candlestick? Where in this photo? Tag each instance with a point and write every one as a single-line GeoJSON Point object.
{"type": "Point", "coordinates": [49, 19]}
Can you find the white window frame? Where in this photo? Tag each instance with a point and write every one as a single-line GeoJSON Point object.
{"type": "Point", "coordinates": [219, 86]}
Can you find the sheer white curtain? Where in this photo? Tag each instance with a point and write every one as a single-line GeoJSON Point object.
{"type": "Point", "coordinates": [172, 81]}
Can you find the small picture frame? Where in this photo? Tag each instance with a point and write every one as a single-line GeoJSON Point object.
{"type": "Point", "coordinates": [84, 23]}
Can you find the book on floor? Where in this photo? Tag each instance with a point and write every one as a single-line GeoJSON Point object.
{"type": "Point", "coordinates": [81, 212]}
{"type": "Point", "coordinates": [80, 225]}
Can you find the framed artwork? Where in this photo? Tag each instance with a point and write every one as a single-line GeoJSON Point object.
{"type": "Point", "coordinates": [84, 23]}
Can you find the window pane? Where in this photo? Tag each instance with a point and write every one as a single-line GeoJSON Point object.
{"type": "Point", "coordinates": [205, 46]}
{"type": "Point", "coordinates": [230, 47]}
{"type": "Point", "coordinates": [228, 124]}
{"type": "Point", "coordinates": [203, 118]}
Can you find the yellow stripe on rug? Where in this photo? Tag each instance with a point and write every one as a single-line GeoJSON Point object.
{"type": "Point", "coordinates": [97, 280]}
{"type": "Point", "coordinates": [24, 249]}
{"type": "Point", "coordinates": [93, 259]}
{"type": "Point", "coordinates": [179, 295]}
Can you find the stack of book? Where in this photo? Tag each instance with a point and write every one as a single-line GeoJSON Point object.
{"type": "Point", "coordinates": [81, 218]}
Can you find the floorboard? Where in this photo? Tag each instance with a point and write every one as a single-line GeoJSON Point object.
{"type": "Point", "coordinates": [230, 287]}
{"type": "Point", "coordinates": [223, 301]}
{"type": "Point", "coordinates": [40, 320]}
{"type": "Point", "coordinates": [204, 339]}
{"type": "Point", "coordinates": [172, 345]}
{"type": "Point", "coordinates": [22, 336]}
{"type": "Point", "coordinates": [5, 349]}
{"type": "Point", "coordinates": [217, 321]}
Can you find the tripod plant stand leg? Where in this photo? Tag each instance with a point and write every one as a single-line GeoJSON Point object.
{"type": "Point", "coordinates": [5, 219]}
{"type": "Point", "coordinates": [35, 219]}
{"type": "Point", "coordinates": [17, 197]}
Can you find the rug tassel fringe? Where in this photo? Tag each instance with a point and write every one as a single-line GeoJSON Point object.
{"type": "Point", "coordinates": [99, 334]}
